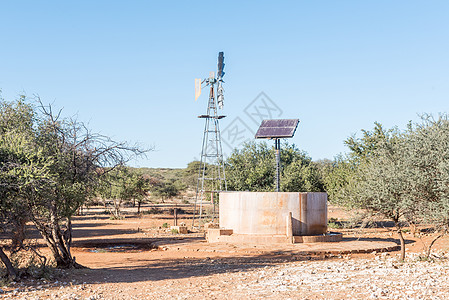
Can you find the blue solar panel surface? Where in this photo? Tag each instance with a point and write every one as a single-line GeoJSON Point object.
{"type": "Point", "coordinates": [281, 128]}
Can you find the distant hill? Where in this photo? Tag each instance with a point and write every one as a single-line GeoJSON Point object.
{"type": "Point", "coordinates": [162, 173]}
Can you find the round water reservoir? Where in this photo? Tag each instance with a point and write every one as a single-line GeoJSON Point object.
{"type": "Point", "coordinates": [266, 213]}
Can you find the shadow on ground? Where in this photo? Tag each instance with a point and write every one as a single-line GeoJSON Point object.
{"type": "Point", "coordinates": [163, 269]}
{"type": "Point", "coordinates": [376, 239]}
{"type": "Point", "coordinates": [150, 242]}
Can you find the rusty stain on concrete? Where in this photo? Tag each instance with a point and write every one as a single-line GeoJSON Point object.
{"type": "Point", "coordinates": [265, 212]}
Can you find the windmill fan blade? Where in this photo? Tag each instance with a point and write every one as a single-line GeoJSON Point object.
{"type": "Point", "coordinates": [220, 64]}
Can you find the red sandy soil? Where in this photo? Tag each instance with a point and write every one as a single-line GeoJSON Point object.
{"type": "Point", "coordinates": [157, 264]}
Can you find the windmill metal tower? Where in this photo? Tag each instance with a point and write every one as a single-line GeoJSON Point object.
{"type": "Point", "coordinates": [211, 171]}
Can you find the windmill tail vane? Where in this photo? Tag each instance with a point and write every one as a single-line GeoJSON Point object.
{"type": "Point", "coordinates": [212, 80]}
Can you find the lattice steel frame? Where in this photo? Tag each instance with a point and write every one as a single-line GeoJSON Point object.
{"type": "Point", "coordinates": [211, 172]}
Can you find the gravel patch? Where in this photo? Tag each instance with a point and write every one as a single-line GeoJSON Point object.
{"type": "Point", "coordinates": [380, 277]}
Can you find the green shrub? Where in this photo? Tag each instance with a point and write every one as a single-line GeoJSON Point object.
{"type": "Point", "coordinates": [153, 211]}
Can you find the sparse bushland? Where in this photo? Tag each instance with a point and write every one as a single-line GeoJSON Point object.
{"type": "Point", "coordinates": [402, 175]}
{"type": "Point", "coordinates": [50, 166]}
{"type": "Point", "coordinates": [253, 169]}
{"type": "Point", "coordinates": [123, 184]}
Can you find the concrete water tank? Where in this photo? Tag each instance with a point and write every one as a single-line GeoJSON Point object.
{"type": "Point", "coordinates": [267, 213]}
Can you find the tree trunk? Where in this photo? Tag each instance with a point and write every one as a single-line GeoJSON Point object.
{"type": "Point", "coordinates": [63, 243]}
{"type": "Point", "coordinates": [61, 251]}
{"type": "Point", "coordinates": [5, 259]}
{"type": "Point", "coordinates": [413, 228]}
{"type": "Point", "coordinates": [18, 234]}
{"type": "Point", "coordinates": [58, 242]}
{"type": "Point", "coordinates": [117, 204]}
{"type": "Point", "coordinates": [429, 249]}
{"type": "Point", "coordinates": [401, 239]}
{"type": "Point", "coordinates": [138, 207]}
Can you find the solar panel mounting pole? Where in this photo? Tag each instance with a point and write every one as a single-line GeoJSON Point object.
{"type": "Point", "coordinates": [277, 149]}
{"type": "Point", "coordinates": [277, 130]}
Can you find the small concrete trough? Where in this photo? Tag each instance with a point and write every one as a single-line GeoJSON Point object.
{"type": "Point", "coordinates": [272, 217]}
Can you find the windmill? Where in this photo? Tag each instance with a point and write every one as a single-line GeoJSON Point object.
{"type": "Point", "coordinates": [211, 171]}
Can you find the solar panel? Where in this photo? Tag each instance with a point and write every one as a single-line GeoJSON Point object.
{"type": "Point", "coordinates": [282, 128]}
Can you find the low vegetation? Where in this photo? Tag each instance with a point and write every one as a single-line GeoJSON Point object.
{"type": "Point", "coordinates": [50, 166]}
{"type": "Point", "coordinates": [252, 168]}
{"type": "Point", "coordinates": [400, 175]}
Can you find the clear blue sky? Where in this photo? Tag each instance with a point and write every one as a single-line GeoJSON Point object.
{"type": "Point", "coordinates": [128, 67]}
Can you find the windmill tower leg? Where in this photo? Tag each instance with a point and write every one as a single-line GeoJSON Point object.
{"type": "Point", "coordinates": [211, 174]}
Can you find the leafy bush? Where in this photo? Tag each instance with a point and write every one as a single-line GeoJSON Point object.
{"type": "Point", "coordinates": [153, 211]}
{"type": "Point", "coordinates": [253, 169]}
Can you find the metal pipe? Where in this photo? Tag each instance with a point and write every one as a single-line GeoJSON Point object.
{"type": "Point", "coordinates": [175, 216]}
{"type": "Point", "coordinates": [277, 147]}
